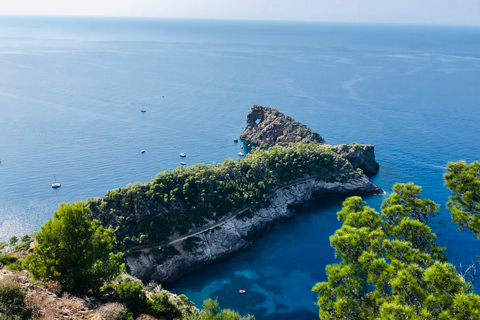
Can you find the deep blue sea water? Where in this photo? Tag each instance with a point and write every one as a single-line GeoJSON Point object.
{"type": "Point", "coordinates": [71, 90]}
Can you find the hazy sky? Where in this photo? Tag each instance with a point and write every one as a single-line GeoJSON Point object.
{"type": "Point", "coordinates": [463, 12]}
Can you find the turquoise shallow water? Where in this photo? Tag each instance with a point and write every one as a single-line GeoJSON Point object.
{"type": "Point", "coordinates": [71, 90]}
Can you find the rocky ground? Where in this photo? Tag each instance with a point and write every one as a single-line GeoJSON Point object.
{"type": "Point", "coordinates": [49, 303]}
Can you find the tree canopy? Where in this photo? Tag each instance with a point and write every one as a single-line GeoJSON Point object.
{"type": "Point", "coordinates": [392, 267]}
{"type": "Point", "coordinates": [74, 250]}
{"type": "Point", "coordinates": [464, 182]}
{"type": "Point", "coordinates": [189, 196]}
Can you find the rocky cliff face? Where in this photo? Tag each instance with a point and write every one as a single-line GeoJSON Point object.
{"type": "Point", "coordinates": [267, 127]}
{"type": "Point", "coordinates": [233, 235]}
{"type": "Point", "coordinates": [359, 155]}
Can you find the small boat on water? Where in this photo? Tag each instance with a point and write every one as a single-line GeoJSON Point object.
{"type": "Point", "coordinates": [183, 155]}
{"type": "Point", "coordinates": [241, 291]}
{"type": "Point", "coordinates": [183, 163]}
{"type": "Point", "coordinates": [235, 140]}
{"type": "Point", "coordinates": [143, 151]}
{"type": "Point", "coordinates": [143, 110]}
{"type": "Point", "coordinates": [55, 184]}
{"type": "Point", "coordinates": [241, 154]}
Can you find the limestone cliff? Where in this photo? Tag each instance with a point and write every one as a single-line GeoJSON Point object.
{"type": "Point", "coordinates": [191, 217]}
{"type": "Point", "coordinates": [267, 126]}
{"type": "Point", "coordinates": [226, 238]}
{"type": "Point", "coordinates": [359, 155]}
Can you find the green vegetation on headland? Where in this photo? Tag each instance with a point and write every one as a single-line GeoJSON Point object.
{"type": "Point", "coordinates": [186, 197]}
{"type": "Point", "coordinates": [391, 265]}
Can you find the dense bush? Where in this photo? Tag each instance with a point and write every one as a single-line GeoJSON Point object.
{"type": "Point", "coordinates": [133, 297]}
{"type": "Point", "coordinates": [7, 260]}
{"type": "Point", "coordinates": [186, 197]}
{"type": "Point", "coordinates": [162, 308]}
{"type": "Point", "coordinates": [12, 302]}
{"type": "Point", "coordinates": [211, 311]}
{"type": "Point", "coordinates": [74, 250]}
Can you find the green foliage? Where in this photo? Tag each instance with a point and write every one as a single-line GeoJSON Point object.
{"type": "Point", "coordinates": [391, 266]}
{"type": "Point", "coordinates": [74, 250]}
{"type": "Point", "coordinates": [464, 182]}
{"type": "Point", "coordinates": [7, 260]}
{"type": "Point", "coordinates": [211, 311]}
{"type": "Point", "coordinates": [12, 241]}
{"type": "Point", "coordinates": [189, 196]}
{"type": "Point", "coordinates": [133, 297]}
{"type": "Point", "coordinates": [24, 243]}
{"type": "Point", "coordinates": [15, 266]}
{"type": "Point", "coordinates": [405, 201]}
{"type": "Point", "coordinates": [3, 245]}
{"type": "Point", "coordinates": [162, 308]}
{"type": "Point", "coordinates": [12, 302]}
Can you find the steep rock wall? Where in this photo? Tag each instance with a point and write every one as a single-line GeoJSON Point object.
{"type": "Point", "coordinates": [232, 236]}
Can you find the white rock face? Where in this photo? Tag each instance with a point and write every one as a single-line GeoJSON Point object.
{"type": "Point", "coordinates": [232, 236]}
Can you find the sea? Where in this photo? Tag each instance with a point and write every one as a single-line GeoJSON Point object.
{"type": "Point", "coordinates": [72, 90]}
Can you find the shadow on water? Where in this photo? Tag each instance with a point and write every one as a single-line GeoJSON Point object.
{"type": "Point", "coordinates": [284, 262]}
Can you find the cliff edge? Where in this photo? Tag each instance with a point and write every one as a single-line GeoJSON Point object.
{"type": "Point", "coordinates": [227, 238]}
{"type": "Point", "coordinates": [267, 127]}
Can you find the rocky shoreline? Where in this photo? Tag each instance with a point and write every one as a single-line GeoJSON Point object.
{"type": "Point", "coordinates": [218, 240]}
{"type": "Point", "coordinates": [234, 235]}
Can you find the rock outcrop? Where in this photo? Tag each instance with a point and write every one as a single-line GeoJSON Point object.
{"type": "Point", "coordinates": [359, 155]}
{"type": "Point", "coordinates": [185, 247]}
{"type": "Point", "coordinates": [267, 127]}
{"type": "Point", "coordinates": [227, 238]}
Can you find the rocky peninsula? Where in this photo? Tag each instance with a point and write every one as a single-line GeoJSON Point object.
{"type": "Point", "coordinates": [267, 127]}
{"type": "Point", "coordinates": [190, 217]}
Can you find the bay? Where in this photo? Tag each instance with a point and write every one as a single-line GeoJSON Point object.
{"type": "Point", "coordinates": [71, 90]}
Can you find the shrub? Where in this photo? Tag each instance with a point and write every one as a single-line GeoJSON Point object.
{"type": "Point", "coordinates": [112, 311]}
{"type": "Point", "coordinates": [133, 296]}
{"type": "Point", "coordinates": [7, 260]}
{"type": "Point", "coordinates": [161, 307]}
{"type": "Point", "coordinates": [74, 250]}
{"type": "Point", "coordinates": [15, 266]}
{"type": "Point", "coordinates": [12, 302]}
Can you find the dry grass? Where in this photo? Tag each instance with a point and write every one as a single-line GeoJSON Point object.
{"type": "Point", "coordinates": [55, 287]}
{"type": "Point", "coordinates": [47, 305]}
{"type": "Point", "coordinates": [110, 311]}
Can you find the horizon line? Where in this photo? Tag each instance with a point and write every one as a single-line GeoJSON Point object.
{"type": "Point", "coordinates": [236, 19]}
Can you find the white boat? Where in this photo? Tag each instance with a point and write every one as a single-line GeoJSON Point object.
{"type": "Point", "coordinates": [183, 163]}
{"type": "Point", "coordinates": [241, 154]}
{"type": "Point", "coordinates": [183, 155]}
{"type": "Point", "coordinates": [143, 110]}
{"type": "Point", "coordinates": [143, 151]}
{"type": "Point", "coordinates": [55, 184]}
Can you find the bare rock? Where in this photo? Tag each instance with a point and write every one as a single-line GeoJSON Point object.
{"type": "Point", "coordinates": [268, 126]}
{"type": "Point", "coordinates": [234, 235]}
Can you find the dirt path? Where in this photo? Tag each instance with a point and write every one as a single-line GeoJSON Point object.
{"type": "Point", "coordinates": [233, 215]}
{"type": "Point", "coordinates": [230, 217]}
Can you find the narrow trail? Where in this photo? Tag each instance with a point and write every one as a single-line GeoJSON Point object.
{"type": "Point", "coordinates": [225, 219]}
{"type": "Point", "coordinates": [234, 215]}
